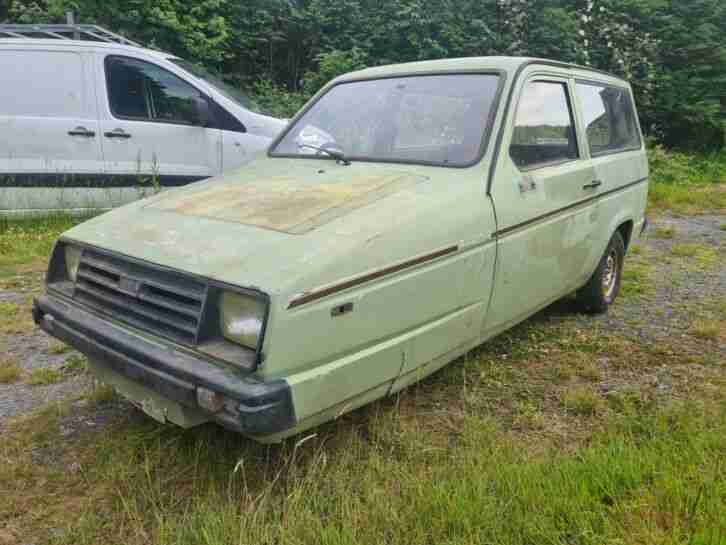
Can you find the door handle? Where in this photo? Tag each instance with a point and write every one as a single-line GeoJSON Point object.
{"type": "Point", "coordinates": [82, 131]}
{"type": "Point", "coordinates": [592, 185]}
{"type": "Point", "coordinates": [117, 133]}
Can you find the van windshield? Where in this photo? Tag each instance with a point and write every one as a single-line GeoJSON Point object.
{"type": "Point", "coordinates": [224, 89]}
{"type": "Point", "coordinates": [437, 119]}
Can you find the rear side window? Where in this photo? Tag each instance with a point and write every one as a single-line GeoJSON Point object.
{"type": "Point", "coordinates": [544, 131]}
{"type": "Point", "coordinates": [143, 91]}
{"type": "Point", "coordinates": [41, 84]}
{"type": "Point", "coordinates": [609, 118]}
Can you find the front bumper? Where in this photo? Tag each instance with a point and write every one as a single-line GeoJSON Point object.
{"type": "Point", "coordinates": [257, 408]}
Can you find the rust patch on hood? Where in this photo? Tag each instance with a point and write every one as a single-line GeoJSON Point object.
{"type": "Point", "coordinates": [284, 203]}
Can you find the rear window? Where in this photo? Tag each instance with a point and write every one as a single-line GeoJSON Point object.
{"type": "Point", "coordinates": [609, 118]}
{"type": "Point", "coordinates": [41, 84]}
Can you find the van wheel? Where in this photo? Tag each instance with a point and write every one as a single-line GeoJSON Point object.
{"type": "Point", "coordinates": [604, 284]}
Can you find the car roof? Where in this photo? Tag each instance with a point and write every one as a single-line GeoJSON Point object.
{"type": "Point", "coordinates": [509, 65]}
{"type": "Point", "coordinates": [82, 44]}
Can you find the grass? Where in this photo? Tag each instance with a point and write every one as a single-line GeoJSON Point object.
{"type": "Point", "coordinates": [636, 279]}
{"type": "Point", "coordinates": [582, 400]}
{"type": "Point", "coordinates": [708, 329]}
{"type": "Point", "coordinates": [44, 376]}
{"type": "Point", "coordinates": [57, 347]}
{"type": "Point", "coordinates": [700, 256]}
{"type": "Point", "coordinates": [686, 183]}
{"type": "Point", "coordinates": [74, 365]}
{"type": "Point", "coordinates": [9, 371]}
{"type": "Point", "coordinates": [652, 476]}
{"type": "Point", "coordinates": [664, 232]}
{"type": "Point", "coordinates": [722, 227]}
{"type": "Point", "coordinates": [27, 242]}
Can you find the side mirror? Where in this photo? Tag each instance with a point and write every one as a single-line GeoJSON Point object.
{"type": "Point", "coordinates": [202, 111]}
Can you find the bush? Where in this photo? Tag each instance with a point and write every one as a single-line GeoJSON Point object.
{"type": "Point", "coordinates": [276, 101]}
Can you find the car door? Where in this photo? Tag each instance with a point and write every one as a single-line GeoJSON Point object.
{"type": "Point", "coordinates": [151, 133]}
{"type": "Point", "coordinates": [49, 129]}
{"type": "Point", "coordinates": [542, 192]}
{"type": "Point", "coordinates": [239, 144]}
{"type": "Point", "coordinates": [612, 135]}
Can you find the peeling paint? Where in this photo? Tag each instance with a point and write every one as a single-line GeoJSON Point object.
{"type": "Point", "coordinates": [285, 203]}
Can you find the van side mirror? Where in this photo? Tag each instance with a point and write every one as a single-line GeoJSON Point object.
{"type": "Point", "coordinates": [202, 111]}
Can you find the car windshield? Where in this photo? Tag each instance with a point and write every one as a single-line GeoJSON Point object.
{"type": "Point", "coordinates": [225, 89]}
{"type": "Point", "coordinates": [438, 119]}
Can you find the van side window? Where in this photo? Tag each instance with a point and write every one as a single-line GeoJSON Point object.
{"type": "Point", "coordinates": [142, 91]}
{"type": "Point", "coordinates": [609, 118]}
{"type": "Point", "coordinates": [23, 89]}
{"type": "Point", "coordinates": [544, 129]}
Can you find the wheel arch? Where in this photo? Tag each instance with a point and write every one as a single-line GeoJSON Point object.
{"type": "Point", "coordinates": [626, 231]}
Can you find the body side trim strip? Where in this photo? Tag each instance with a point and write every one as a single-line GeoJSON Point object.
{"type": "Point", "coordinates": [509, 230]}
{"type": "Point", "coordinates": [325, 291]}
{"type": "Point", "coordinates": [93, 180]}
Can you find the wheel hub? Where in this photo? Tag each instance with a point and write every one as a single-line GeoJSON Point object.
{"type": "Point", "coordinates": [610, 274]}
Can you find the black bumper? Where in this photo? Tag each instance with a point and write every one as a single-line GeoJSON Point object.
{"type": "Point", "coordinates": [262, 408]}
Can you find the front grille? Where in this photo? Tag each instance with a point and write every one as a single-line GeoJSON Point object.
{"type": "Point", "coordinates": [156, 300]}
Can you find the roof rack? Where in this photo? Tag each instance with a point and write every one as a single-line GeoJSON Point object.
{"type": "Point", "coordinates": [93, 33]}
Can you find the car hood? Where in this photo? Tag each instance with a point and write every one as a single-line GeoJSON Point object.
{"type": "Point", "coordinates": [276, 224]}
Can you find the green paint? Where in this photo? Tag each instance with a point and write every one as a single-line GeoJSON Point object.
{"type": "Point", "coordinates": [348, 221]}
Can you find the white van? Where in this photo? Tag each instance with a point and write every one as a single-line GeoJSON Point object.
{"type": "Point", "coordinates": [95, 124]}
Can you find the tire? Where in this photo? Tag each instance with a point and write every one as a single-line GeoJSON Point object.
{"type": "Point", "coordinates": [604, 284]}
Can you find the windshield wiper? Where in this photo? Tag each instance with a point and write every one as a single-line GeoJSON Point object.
{"type": "Point", "coordinates": [339, 156]}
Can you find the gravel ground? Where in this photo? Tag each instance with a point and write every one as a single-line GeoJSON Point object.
{"type": "Point", "coordinates": [677, 290]}
{"type": "Point", "coordinates": [681, 288]}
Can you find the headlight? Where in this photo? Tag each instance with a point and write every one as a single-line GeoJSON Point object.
{"type": "Point", "coordinates": [72, 255]}
{"type": "Point", "coordinates": [241, 318]}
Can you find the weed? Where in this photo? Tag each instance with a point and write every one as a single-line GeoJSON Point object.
{"type": "Point", "coordinates": [28, 241]}
{"type": "Point", "coordinates": [564, 372]}
{"type": "Point", "coordinates": [708, 329]}
{"type": "Point", "coordinates": [9, 371]}
{"type": "Point", "coordinates": [722, 227]}
{"type": "Point", "coordinates": [102, 393]}
{"type": "Point", "coordinates": [582, 400]}
{"type": "Point", "coordinates": [627, 400]}
{"type": "Point", "coordinates": [44, 376]}
{"type": "Point", "coordinates": [590, 371]}
{"type": "Point", "coordinates": [58, 347]}
{"type": "Point", "coordinates": [701, 257]}
{"type": "Point", "coordinates": [686, 183]}
{"type": "Point", "coordinates": [636, 280]}
{"type": "Point", "coordinates": [664, 232]}
{"type": "Point", "coordinates": [74, 365]}
{"type": "Point", "coordinates": [529, 416]}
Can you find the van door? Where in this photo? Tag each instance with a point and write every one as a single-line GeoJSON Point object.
{"type": "Point", "coordinates": [50, 149]}
{"type": "Point", "coordinates": [151, 135]}
{"type": "Point", "coordinates": [541, 192]}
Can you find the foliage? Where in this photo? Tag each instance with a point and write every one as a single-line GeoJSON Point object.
{"type": "Point", "coordinates": [673, 52]}
{"type": "Point", "coordinates": [276, 100]}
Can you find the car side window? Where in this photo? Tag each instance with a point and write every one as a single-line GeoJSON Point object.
{"type": "Point", "coordinates": [544, 130]}
{"type": "Point", "coordinates": [143, 91]}
{"type": "Point", "coordinates": [609, 118]}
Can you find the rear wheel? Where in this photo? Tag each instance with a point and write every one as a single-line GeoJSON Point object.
{"type": "Point", "coordinates": [604, 284]}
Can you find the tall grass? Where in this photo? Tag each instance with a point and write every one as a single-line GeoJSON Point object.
{"type": "Point", "coordinates": [27, 240]}
{"type": "Point", "coordinates": [648, 478]}
{"type": "Point", "coordinates": [687, 182]}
